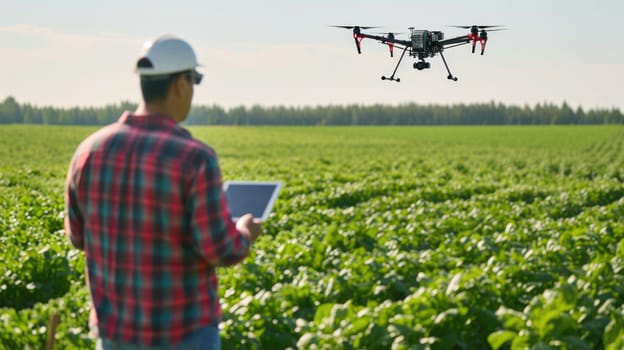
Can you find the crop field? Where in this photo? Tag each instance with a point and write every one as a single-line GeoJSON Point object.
{"type": "Point", "coordinates": [382, 238]}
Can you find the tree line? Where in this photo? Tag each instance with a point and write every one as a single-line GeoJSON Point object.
{"type": "Point", "coordinates": [12, 112]}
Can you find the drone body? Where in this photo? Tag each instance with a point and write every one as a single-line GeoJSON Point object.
{"type": "Point", "coordinates": [423, 44]}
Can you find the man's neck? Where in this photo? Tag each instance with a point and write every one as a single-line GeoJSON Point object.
{"type": "Point", "coordinates": [157, 108]}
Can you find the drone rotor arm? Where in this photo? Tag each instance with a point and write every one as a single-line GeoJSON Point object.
{"type": "Point", "coordinates": [456, 45]}
{"type": "Point", "coordinates": [390, 41]}
{"type": "Point", "coordinates": [386, 40]}
{"type": "Point", "coordinates": [358, 36]}
{"type": "Point", "coordinates": [457, 40]}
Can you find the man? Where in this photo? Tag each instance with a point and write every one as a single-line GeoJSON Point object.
{"type": "Point", "coordinates": [144, 200]}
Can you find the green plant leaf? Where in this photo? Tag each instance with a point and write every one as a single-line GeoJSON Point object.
{"type": "Point", "coordinates": [500, 338]}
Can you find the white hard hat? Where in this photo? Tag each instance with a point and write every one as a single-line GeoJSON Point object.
{"type": "Point", "coordinates": [165, 55]}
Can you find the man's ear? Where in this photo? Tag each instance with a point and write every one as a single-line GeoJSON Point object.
{"type": "Point", "coordinates": [178, 85]}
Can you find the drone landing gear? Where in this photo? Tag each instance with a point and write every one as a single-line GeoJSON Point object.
{"type": "Point", "coordinates": [392, 78]}
{"type": "Point", "coordinates": [398, 80]}
{"type": "Point", "coordinates": [450, 75]}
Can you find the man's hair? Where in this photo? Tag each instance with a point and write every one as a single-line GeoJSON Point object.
{"type": "Point", "coordinates": [154, 87]}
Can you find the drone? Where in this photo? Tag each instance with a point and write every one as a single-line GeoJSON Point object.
{"type": "Point", "coordinates": [423, 44]}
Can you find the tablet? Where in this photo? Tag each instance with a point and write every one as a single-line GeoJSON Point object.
{"type": "Point", "coordinates": [255, 197]}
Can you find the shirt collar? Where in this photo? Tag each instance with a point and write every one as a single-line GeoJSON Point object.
{"type": "Point", "coordinates": [153, 122]}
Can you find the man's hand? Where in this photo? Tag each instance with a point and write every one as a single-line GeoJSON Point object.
{"type": "Point", "coordinates": [246, 224]}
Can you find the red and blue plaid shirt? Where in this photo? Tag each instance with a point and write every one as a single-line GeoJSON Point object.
{"type": "Point", "coordinates": [144, 200]}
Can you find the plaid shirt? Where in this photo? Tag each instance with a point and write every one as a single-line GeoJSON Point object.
{"type": "Point", "coordinates": [144, 200]}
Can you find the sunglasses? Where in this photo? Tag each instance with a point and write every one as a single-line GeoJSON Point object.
{"type": "Point", "coordinates": [194, 76]}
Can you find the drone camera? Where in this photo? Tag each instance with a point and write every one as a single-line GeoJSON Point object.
{"type": "Point", "coordinates": [420, 65]}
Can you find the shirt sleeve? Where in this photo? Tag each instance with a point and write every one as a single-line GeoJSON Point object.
{"type": "Point", "coordinates": [74, 221]}
{"type": "Point", "coordinates": [214, 234]}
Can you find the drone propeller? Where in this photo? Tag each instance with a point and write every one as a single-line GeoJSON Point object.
{"type": "Point", "coordinates": [357, 34]}
{"type": "Point", "coordinates": [353, 27]}
{"type": "Point", "coordinates": [476, 26]}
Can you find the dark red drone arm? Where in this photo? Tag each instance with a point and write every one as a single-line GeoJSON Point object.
{"type": "Point", "coordinates": [473, 37]}
{"type": "Point", "coordinates": [358, 41]}
{"type": "Point", "coordinates": [483, 37]}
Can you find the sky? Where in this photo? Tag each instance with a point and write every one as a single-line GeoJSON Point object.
{"type": "Point", "coordinates": [68, 53]}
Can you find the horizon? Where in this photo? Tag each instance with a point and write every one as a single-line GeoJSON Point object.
{"type": "Point", "coordinates": [227, 109]}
